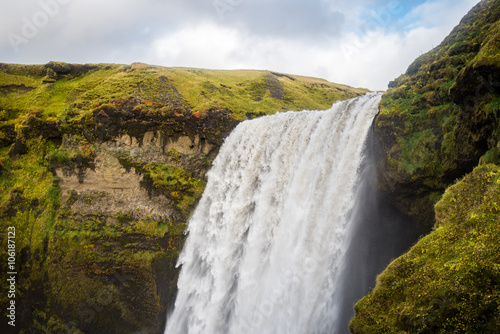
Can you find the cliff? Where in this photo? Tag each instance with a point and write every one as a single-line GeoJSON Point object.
{"type": "Point", "coordinates": [449, 282]}
{"type": "Point", "coordinates": [438, 126]}
{"type": "Point", "coordinates": [441, 117]}
{"type": "Point", "coordinates": [100, 168]}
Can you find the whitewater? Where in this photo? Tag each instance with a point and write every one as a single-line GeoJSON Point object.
{"type": "Point", "coordinates": [268, 237]}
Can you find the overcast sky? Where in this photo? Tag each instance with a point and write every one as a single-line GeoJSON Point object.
{"type": "Point", "coordinates": [362, 43]}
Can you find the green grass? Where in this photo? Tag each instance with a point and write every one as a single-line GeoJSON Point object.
{"type": "Point", "coordinates": [196, 90]}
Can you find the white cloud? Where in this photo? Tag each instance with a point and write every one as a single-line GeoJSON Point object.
{"type": "Point", "coordinates": [206, 45]}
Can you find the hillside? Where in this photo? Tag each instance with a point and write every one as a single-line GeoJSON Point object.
{"type": "Point", "coordinates": [439, 125]}
{"type": "Point", "coordinates": [55, 87]}
{"type": "Point", "coordinates": [101, 166]}
{"type": "Point", "coordinates": [441, 117]}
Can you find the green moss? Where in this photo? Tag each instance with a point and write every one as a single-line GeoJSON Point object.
{"type": "Point", "coordinates": [67, 251]}
{"type": "Point", "coordinates": [449, 282]}
{"type": "Point", "coordinates": [416, 153]}
{"type": "Point", "coordinates": [441, 116]}
{"type": "Point", "coordinates": [491, 157]}
{"type": "Point", "coordinates": [150, 228]}
{"type": "Point", "coordinates": [83, 157]}
{"type": "Point", "coordinates": [494, 106]}
{"type": "Point", "coordinates": [176, 183]}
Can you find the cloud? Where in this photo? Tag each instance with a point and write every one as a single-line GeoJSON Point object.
{"type": "Point", "coordinates": [294, 19]}
{"type": "Point", "coordinates": [372, 65]}
{"type": "Point", "coordinates": [364, 43]}
{"type": "Point", "coordinates": [204, 44]}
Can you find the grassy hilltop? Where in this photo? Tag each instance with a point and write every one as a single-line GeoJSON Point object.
{"type": "Point", "coordinates": [55, 87]}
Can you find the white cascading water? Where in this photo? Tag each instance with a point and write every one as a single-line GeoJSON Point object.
{"type": "Point", "coordinates": [267, 238]}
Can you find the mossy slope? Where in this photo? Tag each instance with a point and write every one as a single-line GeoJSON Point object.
{"type": "Point", "coordinates": [90, 271]}
{"type": "Point", "coordinates": [100, 168]}
{"type": "Point", "coordinates": [440, 122]}
{"type": "Point", "coordinates": [439, 118]}
{"type": "Point", "coordinates": [449, 282]}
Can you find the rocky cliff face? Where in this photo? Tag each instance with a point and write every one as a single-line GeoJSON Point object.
{"type": "Point", "coordinates": [437, 123]}
{"type": "Point", "coordinates": [442, 116]}
{"type": "Point", "coordinates": [100, 168]}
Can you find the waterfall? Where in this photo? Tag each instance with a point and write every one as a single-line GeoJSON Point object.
{"type": "Point", "coordinates": [268, 238]}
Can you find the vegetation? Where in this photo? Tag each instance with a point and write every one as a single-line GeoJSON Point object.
{"type": "Point", "coordinates": [116, 257]}
{"type": "Point", "coordinates": [440, 122]}
{"type": "Point", "coordinates": [178, 184]}
{"type": "Point", "coordinates": [442, 115]}
{"type": "Point", "coordinates": [449, 282]}
{"type": "Point", "coordinates": [80, 89]}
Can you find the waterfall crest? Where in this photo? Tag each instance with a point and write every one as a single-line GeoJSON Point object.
{"type": "Point", "coordinates": [267, 238]}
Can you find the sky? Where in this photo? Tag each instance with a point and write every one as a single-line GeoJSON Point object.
{"type": "Point", "coordinates": [361, 43]}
